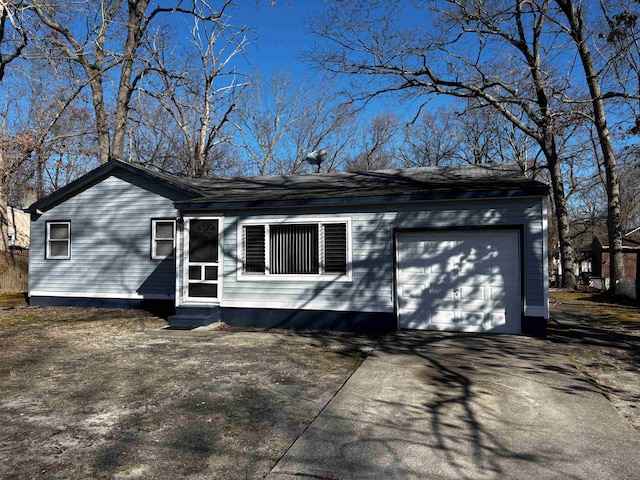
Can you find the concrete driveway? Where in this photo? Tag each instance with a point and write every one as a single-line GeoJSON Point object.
{"type": "Point", "coordinates": [428, 405]}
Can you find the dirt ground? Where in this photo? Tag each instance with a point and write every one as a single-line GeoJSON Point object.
{"type": "Point", "coordinates": [93, 393]}
{"type": "Point", "coordinates": [602, 339]}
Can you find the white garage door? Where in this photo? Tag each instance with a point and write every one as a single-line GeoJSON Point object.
{"type": "Point", "coordinates": [465, 280]}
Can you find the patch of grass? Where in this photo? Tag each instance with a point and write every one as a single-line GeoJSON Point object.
{"type": "Point", "coordinates": [604, 366]}
{"type": "Point", "coordinates": [604, 344]}
{"type": "Point", "coordinates": [570, 295]}
{"type": "Point", "coordinates": [326, 363]}
{"type": "Point", "coordinates": [12, 300]}
{"type": "Point", "coordinates": [200, 404]}
{"type": "Point", "coordinates": [196, 438]}
{"type": "Point", "coordinates": [597, 306]}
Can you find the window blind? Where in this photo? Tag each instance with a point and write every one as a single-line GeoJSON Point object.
{"type": "Point", "coordinates": [294, 249]}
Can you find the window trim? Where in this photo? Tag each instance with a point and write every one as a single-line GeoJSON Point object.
{"type": "Point", "coordinates": [154, 255]}
{"type": "Point", "coordinates": [241, 275]}
{"type": "Point", "coordinates": [47, 240]}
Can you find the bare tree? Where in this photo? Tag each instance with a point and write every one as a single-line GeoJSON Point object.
{"type": "Point", "coordinates": [427, 141]}
{"type": "Point", "coordinates": [200, 93]}
{"type": "Point", "coordinates": [376, 148]}
{"type": "Point", "coordinates": [465, 132]}
{"type": "Point", "coordinates": [109, 38]}
{"type": "Point", "coordinates": [13, 32]}
{"type": "Point", "coordinates": [13, 41]}
{"type": "Point", "coordinates": [154, 139]}
{"type": "Point", "coordinates": [500, 55]}
{"type": "Point", "coordinates": [33, 128]}
{"type": "Point", "coordinates": [282, 120]}
{"type": "Point", "coordinates": [577, 30]}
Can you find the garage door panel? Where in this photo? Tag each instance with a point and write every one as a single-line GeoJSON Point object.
{"type": "Point", "coordinates": [497, 294]}
{"type": "Point", "coordinates": [413, 275]}
{"type": "Point", "coordinates": [443, 317]}
{"type": "Point", "coordinates": [475, 319]}
{"type": "Point", "coordinates": [437, 290]}
{"type": "Point", "coordinates": [459, 280]}
{"type": "Point", "coordinates": [437, 267]}
{"type": "Point", "coordinates": [497, 319]}
{"type": "Point", "coordinates": [424, 304]}
{"type": "Point", "coordinates": [473, 292]}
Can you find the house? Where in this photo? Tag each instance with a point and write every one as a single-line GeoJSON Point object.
{"type": "Point", "coordinates": [446, 248]}
{"type": "Point", "coordinates": [14, 255]}
{"type": "Point", "coordinates": [601, 262]}
{"type": "Point", "coordinates": [17, 229]}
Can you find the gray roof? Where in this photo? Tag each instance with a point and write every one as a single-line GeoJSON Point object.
{"type": "Point", "coordinates": [469, 181]}
{"type": "Point", "coordinates": [496, 179]}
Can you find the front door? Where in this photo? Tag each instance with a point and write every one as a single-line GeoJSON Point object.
{"type": "Point", "coordinates": [202, 260]}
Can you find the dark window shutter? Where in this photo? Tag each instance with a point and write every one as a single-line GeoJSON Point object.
{"type": "Point", "coordinates": [335, 248]}
{"type": "Point", "coordinates": [254, 249]}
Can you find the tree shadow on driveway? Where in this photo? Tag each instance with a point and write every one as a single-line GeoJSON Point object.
{"type": "Point", "coordinates": [436, 405]}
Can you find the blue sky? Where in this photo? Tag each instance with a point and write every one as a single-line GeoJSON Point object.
{"type": "Point", "coordinates": [279, 35]}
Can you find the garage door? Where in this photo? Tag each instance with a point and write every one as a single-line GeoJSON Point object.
{"type": "Point", "coordinates": [459, 280]}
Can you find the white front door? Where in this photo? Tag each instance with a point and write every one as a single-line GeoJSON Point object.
{"type": "Point", "coordinates": [459, 280]}
{"type": "Point", "coordinates": [202, 259]}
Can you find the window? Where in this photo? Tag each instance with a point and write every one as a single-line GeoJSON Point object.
{"type": "Point", "coordinates": [163, 236]}
{"type": "Point", "coordinates": [58, 240]}
{"type": "Point", "coordinates": [296, 248]}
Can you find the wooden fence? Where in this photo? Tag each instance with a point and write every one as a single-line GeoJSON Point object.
{"type": "Point", "coordinates": [14, 271]}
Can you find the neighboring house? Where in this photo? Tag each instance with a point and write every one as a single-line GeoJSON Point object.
{"type": "Point", "coordinates": [446, 248]}
{"type": "Point", "coordinates": [14, 253]}
{"type": "Point", "coordinates": [18, 224]}
{"type": "Point", "coordinates": [602, 263]}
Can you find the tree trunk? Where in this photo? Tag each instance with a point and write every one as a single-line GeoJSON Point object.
{"type": "Point", "coordinates": [135, 30]}
{"type": "Point", "coordinates": [4, 223]}
{"type": "Point", "coordinates": [564, 235]}
{"type": "Point", "coordinates": [102, 124]}
{"type": "Point", "coordinates": [549, 149]}
{"type": "Point", "coordinates": [39, 176]}
{"type": "Point", "coordinates": [614, 223]}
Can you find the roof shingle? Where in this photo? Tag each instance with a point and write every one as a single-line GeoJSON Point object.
{"type": "Point", "coordinates": [408, 181]}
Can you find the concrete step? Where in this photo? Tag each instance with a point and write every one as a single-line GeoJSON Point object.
{"type": "Point", "coordinates": [194, 316]}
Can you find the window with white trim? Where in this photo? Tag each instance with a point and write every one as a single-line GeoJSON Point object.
{"type": "Point", "coordinates": [58, 242]}
{"type": "Point", "coordinates": [304, 249]}
{"type": "Point", "coordinates": [163, 239]}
